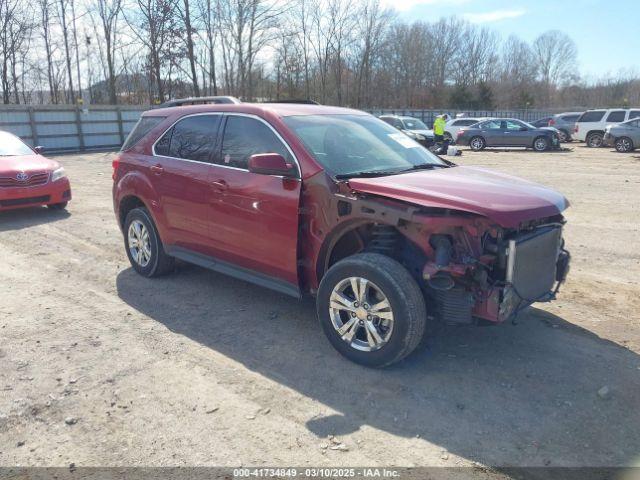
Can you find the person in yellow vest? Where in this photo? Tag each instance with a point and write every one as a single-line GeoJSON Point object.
{"type": "Point", "coordinates": [438, 129]}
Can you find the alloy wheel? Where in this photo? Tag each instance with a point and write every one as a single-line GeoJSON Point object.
{"type": "Point", "coordinates": [595, 140]}
{"type": "Point", "coordinates": [540, 144]}
{"type": "Point", "coordinates": [477, 144]}
{"type": "Point", "coordinates": [623, 145]}
{"type": "Point", "coordinates": [361, 314]}
{"type": "Point", "coordinates": [139, 243]}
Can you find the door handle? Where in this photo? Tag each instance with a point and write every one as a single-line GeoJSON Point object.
{"type": "Point", "coordinates": [220, 185]}
{"type": "Point", "coordinates": [157, 169]}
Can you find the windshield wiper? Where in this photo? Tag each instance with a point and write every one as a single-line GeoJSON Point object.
{"type": "Point", "coordinates": [369, 173]}
{"type": "Point", "coordinates": [426, 166]}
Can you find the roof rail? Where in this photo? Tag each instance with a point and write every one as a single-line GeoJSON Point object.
{"type": "Point", "coordinates": [196, 100]}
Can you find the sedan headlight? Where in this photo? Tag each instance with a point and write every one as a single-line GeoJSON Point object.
{"type": "Point", "coordinates": [420, 137]}
{"type": "Point", "coordinates": [57, 174]}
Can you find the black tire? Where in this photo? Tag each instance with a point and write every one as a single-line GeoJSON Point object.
{"type": "Point", "coordinates": [540, 144]}
{"type": "Point", "coordinates": [58, 206]}
{"type": "Point", "coordinates": [401, 290]}
{"type": "Point", "coordinates": [159, 263]}
{"type": "Point", "coordinates": [624, 145]}
{"type": "Point", "coordinates": [477, 143]}
{"type": "Point", "coordinates": [564, 136]}
{"type": "Point", "coordinates": [595, 139]}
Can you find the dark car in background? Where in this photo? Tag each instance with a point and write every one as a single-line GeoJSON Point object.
{"type": "Point", "coordinates": [412, 127]}
{"type": "Point", "coordinates": [625, 136]}
{"type": "Point", "coordinates": [565, 123]}
{"type": "Point", "coordinates": [508, 132]}
{"type": "Point", "coordinates": [541, 122]}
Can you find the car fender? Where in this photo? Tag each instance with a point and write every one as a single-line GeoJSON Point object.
{"type": "Point", "coordinates": [136, 184]}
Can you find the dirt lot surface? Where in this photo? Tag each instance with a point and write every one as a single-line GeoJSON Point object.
{"type": "Point", "coordinates": [102, 367]}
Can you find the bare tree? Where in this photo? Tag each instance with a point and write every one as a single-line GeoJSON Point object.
{"type": "Point", "coordinates": [556, 55]}
{"type": "Point", "coordinates": [109, 11]}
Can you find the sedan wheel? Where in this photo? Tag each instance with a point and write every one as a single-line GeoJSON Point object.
{"type": "Point", "coordinates": [540, 144]}
{"type": "Point", "coordinates": [624, 144]}
{"type": "Point", "coordinates": [139, 244]}
{"type": "Point", "coordinates": [477, 143]}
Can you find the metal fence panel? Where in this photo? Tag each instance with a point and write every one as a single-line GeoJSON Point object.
{"type": "Point", "coordinates": [61, 128]}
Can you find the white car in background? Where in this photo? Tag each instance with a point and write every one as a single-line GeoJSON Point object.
{"type": "Point", "coordinates": [454, 125]}
{"type": "Point", "coordinates": [591, 125]}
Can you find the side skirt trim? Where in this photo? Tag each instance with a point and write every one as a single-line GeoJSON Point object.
{"type": "Point", "coordinates": [235, 271]}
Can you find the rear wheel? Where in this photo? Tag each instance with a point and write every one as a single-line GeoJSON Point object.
{"type": "Point", "coordinates": [142, 243]}
{"type": "Point", "coordinates": [58, 206]}
{"type": "Point", "coordinates": [594, 140]}
{"type": "Point", "coordinates": [624, 144]}
{"type": "Point", "coordinates": [540, 144]}
{"type": "Point", "coordinates": [371, 309]}
{"type": "Point", "coordinates": [477, 144]}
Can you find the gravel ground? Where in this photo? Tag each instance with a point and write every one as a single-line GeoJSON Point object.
{"type": "Point", "coordinates": [101, 367]}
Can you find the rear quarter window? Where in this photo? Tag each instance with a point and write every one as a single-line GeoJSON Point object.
{"type": "Point", "coordinates": [144, 126]}
{"type": "Point", "coordinates": [634, 114]}
{"type": "Point", "coordinates": [617, 116]}
{"type": "Point", "coordinates": [594, 116]}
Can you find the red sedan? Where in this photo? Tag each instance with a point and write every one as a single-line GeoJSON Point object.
{"type": "Point", "coordinates": [29, 179]}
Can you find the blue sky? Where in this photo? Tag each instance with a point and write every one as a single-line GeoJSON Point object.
{"type": "Point", "coordinates": [607, 33]}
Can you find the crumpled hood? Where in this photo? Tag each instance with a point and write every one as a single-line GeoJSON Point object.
{"type": "Point", "coordinates": [26, 163]}
{"type": "Point", "coordinates": [505, 199]}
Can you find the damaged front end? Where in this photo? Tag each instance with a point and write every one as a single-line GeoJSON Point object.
{"type": "Point", "coordinates": [492, 274]}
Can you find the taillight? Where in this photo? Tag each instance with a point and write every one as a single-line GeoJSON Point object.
{"type": "Point", "coordinates": [575, 129]}
{"type": "Point", "coordinates": [460, 132]}
{"type": "Point", "coordinates": [115, 164]}
{"type": "Point", "coordinates": [552, 122]}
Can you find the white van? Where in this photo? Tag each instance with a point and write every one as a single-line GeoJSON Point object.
{"type": "Point", "coordinates": [591, 125]}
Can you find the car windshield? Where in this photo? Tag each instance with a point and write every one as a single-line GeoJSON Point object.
{"type": "Point", "coordinates": [11, 146]}
{"type": "Point", "coordinates": [414, 124]}
{"type": "Point", "coordinates": [348, 145]}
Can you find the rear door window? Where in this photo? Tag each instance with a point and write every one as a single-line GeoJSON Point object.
{"type": "Point", "coordinates": [593, 116]}
{"type": "Point", "coordinates": [246, 136]}
{"type": "Point", "coordinates": [634, 114]}
{"type": "Point", "coordinates": [144, 126]}
{"type": "Point", "coordinates": [490, 125]}
{"type": "Point", "coordinates": [464, 123]}
{"type": "Point", "coordinates": [193, 138]}
{"type": "Point", "coordinates": [616, 116]}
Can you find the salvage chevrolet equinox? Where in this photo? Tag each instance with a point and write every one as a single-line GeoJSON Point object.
{"type": "Point", "coordinates": [333, 202]}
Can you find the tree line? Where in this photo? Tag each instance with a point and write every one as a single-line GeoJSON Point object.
{"type": "Point", "coordinates": [343, 52]}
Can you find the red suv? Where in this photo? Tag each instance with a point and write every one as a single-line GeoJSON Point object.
{"type": "Point", "coordinates": [29, 179]}
{"type": "Point", "coordinates": [338, 204]}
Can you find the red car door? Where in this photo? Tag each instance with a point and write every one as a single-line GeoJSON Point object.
{"type": "Point", "coordinates": [180, 171]}
{"type": "Point", "coordinates": [254, 217]}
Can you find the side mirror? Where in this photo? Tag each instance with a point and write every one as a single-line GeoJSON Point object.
{"type": "Point", "coordinates": [270, 164]}
{"type": "Point", "coordinates": [39, 149]}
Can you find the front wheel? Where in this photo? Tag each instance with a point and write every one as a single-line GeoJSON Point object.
{"type": "Point", "coordinates": [477, 144]}
{"type": "Point", "coordinates": [594, 140]}
{"type": "Point", "coordinates": [143, 245]}
{"type": "Point", "coordinates": [371, 309]}
{"type": "Point", "coordinates": [624, 145]}
{"type": "Point", "coordinates": [540, 144]}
